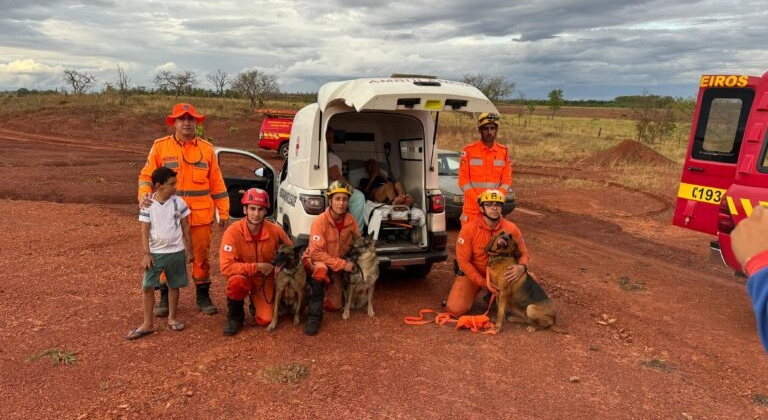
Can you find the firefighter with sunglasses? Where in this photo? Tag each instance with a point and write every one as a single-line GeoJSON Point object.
{"type": "Point", "coordinates": [200, 184]}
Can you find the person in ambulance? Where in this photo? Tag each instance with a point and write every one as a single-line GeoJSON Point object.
{"type": "Point", "coordinates": [750, 246]}
{"type": "Point", "coordinates": [472, 258]}
{"type": "Point", "coordinates": [247, 250]}
{"type": "Point", "coordinates": [484, 164]}
{"type": "Point", "coordinates": [200, 184]}
{"type": "Point", "coordinates": [330, 237]}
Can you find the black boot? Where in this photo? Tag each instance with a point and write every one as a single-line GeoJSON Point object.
{"type": "Point", "coordinates": [235, 317]}
{"type": "Point", "coordinates": [315, 296]}
{"type": "Point", "coordinates": [161, 310]}
{"type": "Point", "coordinates": [203, 300]}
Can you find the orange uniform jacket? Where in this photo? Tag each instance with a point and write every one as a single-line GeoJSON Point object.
{"type": "Point", "coordinates": [198, 177]}
{"type": "Point", "coordinates": [470, 247]}
{"type": "Point", "coordinates": [326, 243]}
{"type": "Point", "coordinates": [239, 252]}
{"type": "Point", "coordinates": [482, 168]}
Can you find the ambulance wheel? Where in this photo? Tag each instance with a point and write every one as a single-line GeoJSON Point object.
{"type": "Point", "coordinates": [418, 271]}
{"type": "Point", "coordinates": [283, 150]}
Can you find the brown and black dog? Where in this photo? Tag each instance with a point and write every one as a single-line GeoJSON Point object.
{"type": "Point", "coordinates": [360, 284]}
{"type": "Point", "coordinates": [290, 280]}
{"type": "Point", "coordinates": [525, 297]}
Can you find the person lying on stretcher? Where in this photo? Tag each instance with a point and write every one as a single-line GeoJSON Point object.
{"type": "Point", "coordinates": [382, 189]}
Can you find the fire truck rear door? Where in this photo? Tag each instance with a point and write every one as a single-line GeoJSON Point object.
{"type": "Point", "coordinates": [712, 156]}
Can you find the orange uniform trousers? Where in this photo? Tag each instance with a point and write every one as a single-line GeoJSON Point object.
{"type": "Point", "coordinates": [201, 248]}
{"type": "Point", "coordinates": [463, 294]}
{"type": "Point", "coordinates": [240, 287]}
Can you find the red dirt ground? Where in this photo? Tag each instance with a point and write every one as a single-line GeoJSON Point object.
{"type": "Point", "coordinates": [656, 330]}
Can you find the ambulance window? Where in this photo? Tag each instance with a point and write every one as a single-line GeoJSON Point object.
{"type": "Point", "coordinates": [722, 117]}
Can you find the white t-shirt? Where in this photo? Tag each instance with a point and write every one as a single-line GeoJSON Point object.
{"type": "Point", "coordinates": [165, 235]}
{"type": "Point", "coordinates": [334, 160]}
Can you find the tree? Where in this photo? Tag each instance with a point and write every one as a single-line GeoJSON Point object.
{"type": "Point", "coordinates": [220, 80]}
{"type": "Point", "coordinates": [256, 85]}
{"type": "Point", "coordinates": [655, 119]}
{"type": "Point", "coordinates": [123, 85]}
{"type": "Point", "coordinates": [79, 82]}
{"type": "Point", "coordinates": [555, 101]}
{"type": "Point", "coordinates": [494, 87]}
{"type": "Point", "coordinates": [178, 83]}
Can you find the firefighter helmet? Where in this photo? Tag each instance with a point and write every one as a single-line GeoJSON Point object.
{"type": "Point", "coordinates": [338, 187]}
{"type": "Point", "coordinates": [487, 118]}
{"type": "Point", "coordinates": [255, 196]}
{"type": "Point", "coordinates": [490, 196]}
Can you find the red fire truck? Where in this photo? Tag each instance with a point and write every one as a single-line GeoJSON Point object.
{"type": "Point", "coordinates": [726, 169]}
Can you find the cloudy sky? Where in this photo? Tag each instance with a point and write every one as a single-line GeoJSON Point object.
{"type": "Point", "coordinates": [595, 49]}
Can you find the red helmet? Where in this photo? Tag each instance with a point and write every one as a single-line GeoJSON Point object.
{"type": "Point", "coordinates": [255, 196]}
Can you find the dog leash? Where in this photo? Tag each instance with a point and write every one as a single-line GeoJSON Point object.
{"type": "Point", "coordinates": [475, 323]}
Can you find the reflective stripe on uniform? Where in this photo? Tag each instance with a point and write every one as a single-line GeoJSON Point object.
{"type": "Point", "coordinates": [191, 193]}
{"type": "Point", "coordinates": [220, 195]}
{"type": "Point", "coordinates": [504, 187]}
{"type": "Point", "coordinates": [149, 184]}
{"type": "Point", "coordinates": [202, 165]}
{"type": "Point", "coordinates": [172, 164]}
{"type": "Point", "coordinates": [476, 162]}
{"type": "Point", "coordinates": [485, 185]}
{"type": "Point", "coordinates": [498, 162]}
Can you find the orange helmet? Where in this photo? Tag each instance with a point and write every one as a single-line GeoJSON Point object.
{"type": "Point", "coordinates": [255, 196]}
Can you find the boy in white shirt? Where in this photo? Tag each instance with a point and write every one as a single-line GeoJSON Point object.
{"type": "Point", "coordinates": [167, 248]}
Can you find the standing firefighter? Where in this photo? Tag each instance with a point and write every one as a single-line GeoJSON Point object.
{"type": "Point", "coordinates": [247, 250]}
{"type": "Point", "coordinates": [199, 184]}
{"type": "Point", "coordinates": [329, 239]}
{"type": "Point", "coordinates": [484, 164]}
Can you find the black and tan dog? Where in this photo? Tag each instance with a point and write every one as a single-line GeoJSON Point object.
{"type": "Point", "coordinates": [290, 280]}
{"type": "Point", "coordinates": [359, 284]}
{"type": "Point", "coordinates": [524, 297]}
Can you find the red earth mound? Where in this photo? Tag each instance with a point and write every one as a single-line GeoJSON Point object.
{"type": "Point", "coordinates": [627, 152]}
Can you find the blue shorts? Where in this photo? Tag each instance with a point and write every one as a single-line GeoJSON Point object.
{"type": "Point", "coordinates": [175, 267]}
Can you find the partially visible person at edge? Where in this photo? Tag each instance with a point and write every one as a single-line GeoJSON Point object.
{"type": "Point", "coordinates": [381, 188]}
{"type": "Point", "coordinates": [329, 240]}
{"type": "Point", "coordinates": [200, 185]}
{"type": "Point", "coordinates": [247, 250]}
{"type": "Point", "coordinates": [750, 246]}
{"type": "Point", "coordinates": [484, 164]}
{"type": "Point", "coordinates": [167, 247]}
{"type": "Point", "coordinates": [357, 200]}
{"type": "Point", "coordinates": [472, 258]}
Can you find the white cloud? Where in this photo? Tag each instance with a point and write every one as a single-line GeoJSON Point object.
{"type": "Point", "coordinates": [585, 47]}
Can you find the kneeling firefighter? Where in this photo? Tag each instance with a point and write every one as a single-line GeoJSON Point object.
{"type": "Point", "coordinates": [329, 240]}
{"type": "Point", "coordinates": [247, 250]}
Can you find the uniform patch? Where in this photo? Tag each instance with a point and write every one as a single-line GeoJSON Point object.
{"type": "Point", "coordinates": [463, 153]}
{"type": "Point", "coordinates": [316, 238]}
{"type": "Point", "coordinates": [460, 241]}
{"type": "Point", "coordinates": [228, 248]}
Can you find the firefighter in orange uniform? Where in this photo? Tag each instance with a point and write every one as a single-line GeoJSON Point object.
{"type": "Point", "coordinates": [329, 240]}
{"type": "Point", "coordinates": [247, 250]}
{"type": "Point", "coordinates": [200, 184]}
{"type": "Point", "coordinates": [484, 164]}
{"type": "Point", "coordinates": [471, 256]}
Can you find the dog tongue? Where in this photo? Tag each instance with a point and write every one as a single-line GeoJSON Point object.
{"type": "Point", "coordinates": [278, 269]}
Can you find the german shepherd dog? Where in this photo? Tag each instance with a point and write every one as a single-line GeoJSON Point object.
{"type": "Point", "coordinates": [359, 284]}
{"type": "Point", "coordinates": [524, 296]}
{"type": "Point", "coordinates": [290, 280]}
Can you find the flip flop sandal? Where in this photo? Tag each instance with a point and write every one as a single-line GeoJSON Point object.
{"type": "Point", "coordinates": [179, 326]}
{"type": "Point", "coordinates": [135, 334]}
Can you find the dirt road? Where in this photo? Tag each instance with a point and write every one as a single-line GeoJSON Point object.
{"type": "Point", "coordinates": [656, 330]}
